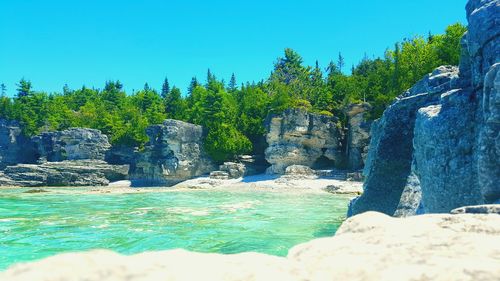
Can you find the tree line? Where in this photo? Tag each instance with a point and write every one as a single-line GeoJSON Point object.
{"type": "Point", "coordinates": [234, 114]}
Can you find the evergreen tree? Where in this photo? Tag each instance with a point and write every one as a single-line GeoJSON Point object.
{"type": "Point", "coordinates": [175, 106]}
{"type": "Point", "coordinates": [232, 84]}
{"type": "Point", "coordinates": [340, 62]}
{"type": "Point", "coordinates": [23, 88]}
{"type": "Point", "coordinates": [192, 85]}
{"type": "Point", "coordinates": [3, 90]}
{"type": "Point", "coordinates": [165, 89]}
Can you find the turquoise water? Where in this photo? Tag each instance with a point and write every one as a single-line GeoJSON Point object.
{"type": "Point", "coordinates": [33, 226]}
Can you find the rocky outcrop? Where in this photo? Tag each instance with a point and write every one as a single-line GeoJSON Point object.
{"type": "Point", "coordinates": [72, 157]}
{"type": "Point", "coordinates": [64, 173]}
{"type": "Point", "coordinates": [234, 170]}
{"type": "Point", "coordinates": [371, 246]}
{"type": "Point", "coordinates": [358, 136]}
{"type": "Point", "coordinates": [437, 146]}
{"type": "Point", "coordinates": [72, 144]}
{"type": "Point", "coordinates": [297, 137]}
{"type": "Point", "coordinates": [389, 161]}
{"type": "Point", "coordinates": [14, 146]}
{"type": "Point", "coordinates": [173, 154]}
{"type": "Point", "coordinates": [254, 164]}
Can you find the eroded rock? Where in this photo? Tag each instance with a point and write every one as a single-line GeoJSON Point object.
{"type": "Point", "coordinates": [72, 144]}
{"type": "Point", "coordinates": [448, 151]}
{"type": "Point", "coordinates": [14, 146]}
{"type": "Point", "coordinates": [358, 136]}
{"type": "Point", "coordinates": [297, 137]}
{"type": "Point", "coordinates": [64, 173]}
{"type": "Point", "coordinates": [173, 154]}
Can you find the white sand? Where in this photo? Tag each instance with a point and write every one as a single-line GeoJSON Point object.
{"type": "Point", "coordinates": [261, 182]}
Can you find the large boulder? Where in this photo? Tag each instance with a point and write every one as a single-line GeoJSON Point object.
{"type": "Point", "coordinates": [447, 152]}
{"type": "Point", "coordinates": [173, 154]}
{"type": "Point", "coordinates": [358, 135]}
{"type": "Point", "coordinates": [14, 146]}
{"type": "Point", "coordinates": [72, 144]}
{"type": "Point", "coordinates": [371, 246]}
{"type": "Point", "coordinates": [297, 137]}
{"type": "Point", "coordinates": [64, 173]}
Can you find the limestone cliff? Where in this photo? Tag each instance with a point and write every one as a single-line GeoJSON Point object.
{"type": "Point", "coordinates": [174, 153]}
{"type": "Point", "coordinates": [297, 137]}
{"type": "Point", "coordinates": [14, 146]}
{"type": "Point", "coordinates": [437, 146]}
{"type": "Point", "coordinates": [73, 157]}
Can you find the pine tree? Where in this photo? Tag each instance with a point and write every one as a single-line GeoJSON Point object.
{"type": "Point", "coordinates": [3, 90]}
{"type": "Point", "coordinates": [23, 88]}
{"type": "Point", "coordinates": [165, 89]}
{"type": "Point", "coordinates": [232, 84]}
{"type": "Point", "coordinates": [210, 77]}
{"type": "Point", "coordinates": [146, 87]}
{"type": "Point", "coordinates": [340, 62]}
{"type": "Point", "coordinates": [194, 83]}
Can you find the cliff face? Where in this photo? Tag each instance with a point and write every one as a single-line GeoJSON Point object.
{"type": "Point", "coordinates": [72, 144]}
{"type": "Point", "coordinates": [14, 146]}
{"type": "Point", "coordinates": [438, 146]}
{"type": "Point", "coordinates": [297, 137]}
{"type": "Point", "coordinates": [73, 157]}
{"type": "Point", "coordinates": [358, 136]}
{"type": "Point", "coordinates": [174, 153]}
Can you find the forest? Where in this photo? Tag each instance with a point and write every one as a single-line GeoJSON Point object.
{"type": "Point", "coordinates": [233, 113]}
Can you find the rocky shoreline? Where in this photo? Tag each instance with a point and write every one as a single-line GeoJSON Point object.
{"type": "Point", "coordinates": [433, 158]}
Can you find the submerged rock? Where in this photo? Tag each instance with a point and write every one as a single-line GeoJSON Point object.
{"type": "Point", "coordinates": [371, 246]}
{"type": "Point", "coordinates": [173, 154]}
{"type": "Point", "coordinates": [297, 137]}
{"type": "Point", "coordinates": [36, 190]}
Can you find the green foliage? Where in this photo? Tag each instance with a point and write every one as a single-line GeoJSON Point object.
{"type": "Point", "coordinates": [225, 142]}
{"type": "Point", "coordinates": [234, 116]}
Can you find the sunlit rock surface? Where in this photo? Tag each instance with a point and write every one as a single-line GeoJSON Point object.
{"type": "Point", "coordinates": [441, 138]}
{"type": "Point", "coordinates": [173, 154]}
{"type": "Point", "coordinates": [297, 137]}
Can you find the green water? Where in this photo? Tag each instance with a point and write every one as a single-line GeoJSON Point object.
{"type": "Point", "coordinates": [33, 226]}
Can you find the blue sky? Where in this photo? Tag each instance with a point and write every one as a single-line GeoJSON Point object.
{"type": "Point", "coordinates": [87, 42]}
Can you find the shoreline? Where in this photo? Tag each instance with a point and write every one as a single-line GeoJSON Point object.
{"type": "Point", "coordinates": [261, 182]}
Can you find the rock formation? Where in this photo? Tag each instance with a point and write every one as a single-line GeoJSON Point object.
{"type": "Point", "coordinates": [297, 137]}
{"type": "Point", "coordinates": [358, 136]}
{"type": "Point", "coordinates": [371, 246]}
{"type": "Point", "coordinates": [14, 146]}
{"type": "Point", "coordinates": [71, 144]}
{"type": "Point", "coordinates": [64, 173]}
{"type": "Point", "coordinates": [72, 157]}
{"type": "Point", "coordinates": [438, 145]}
{"type": "Point", "coordinates": [174, 153]}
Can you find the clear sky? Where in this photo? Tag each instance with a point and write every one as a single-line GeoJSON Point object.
{"type": "Point", "coordinates": [86, 42]}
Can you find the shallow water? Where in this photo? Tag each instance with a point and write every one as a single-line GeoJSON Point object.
{"type": "Point", "coordinates": [33, 226]}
